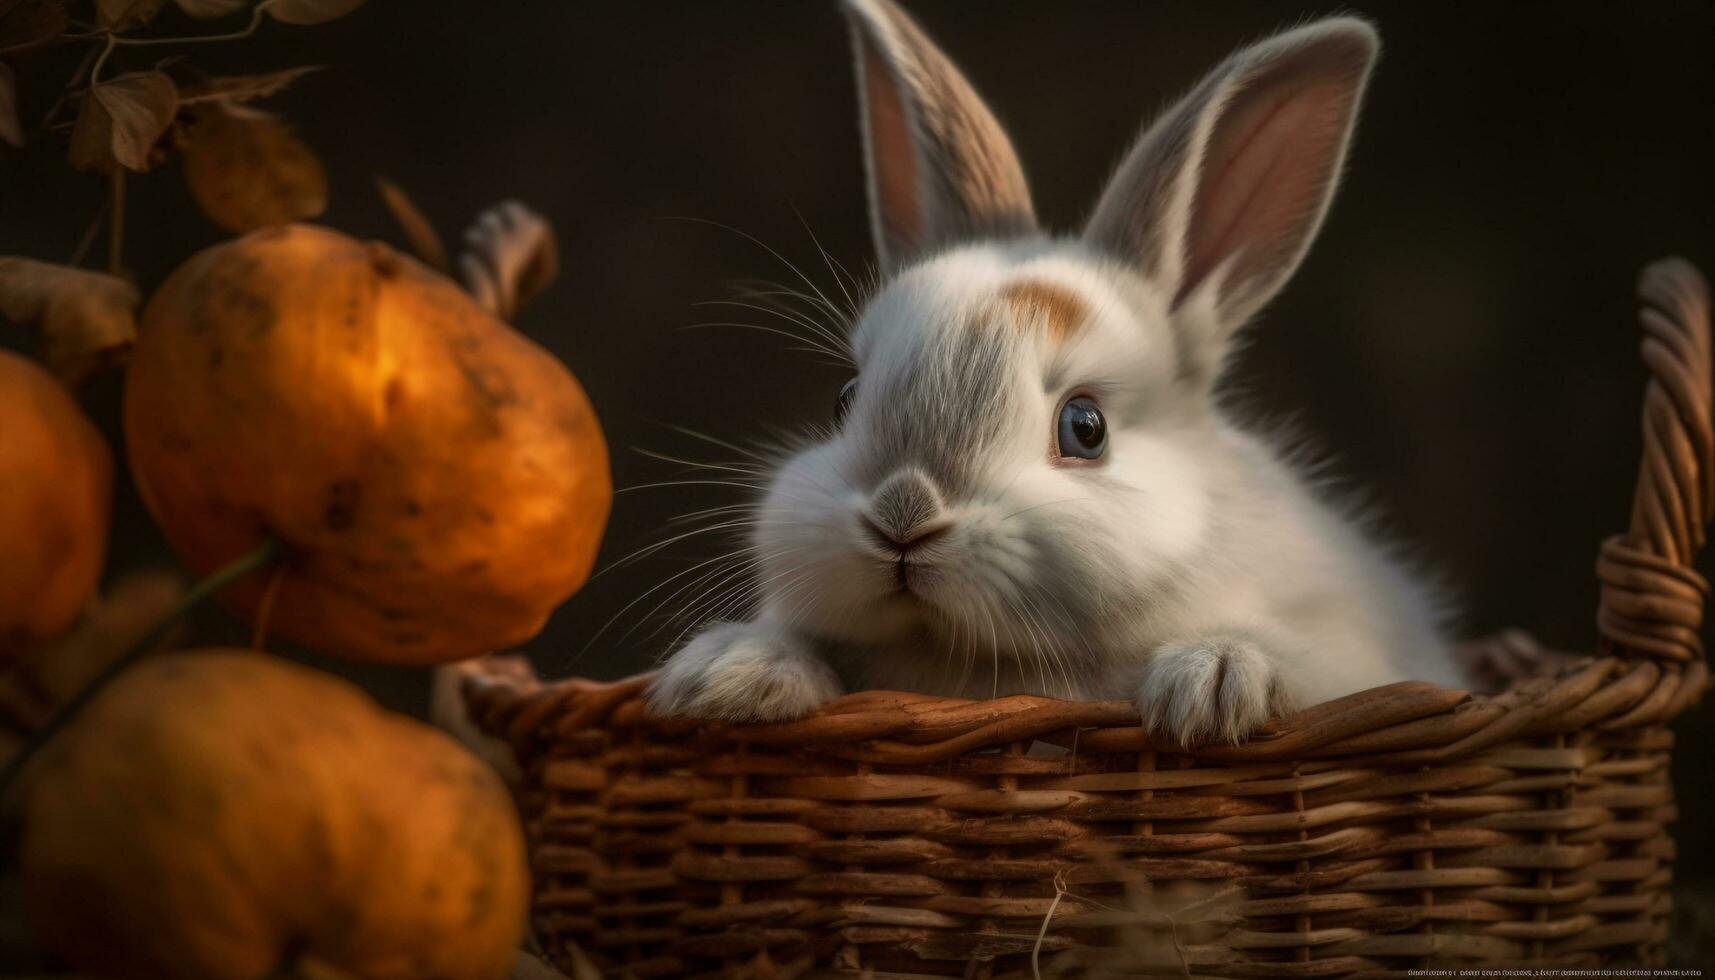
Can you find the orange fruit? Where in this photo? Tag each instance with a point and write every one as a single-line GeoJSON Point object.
{"type": "Point", "coordinates": [56, 490]}
{"type": "Point", "coordinates": [440, 481]}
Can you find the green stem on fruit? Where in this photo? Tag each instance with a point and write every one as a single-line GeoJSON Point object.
{"type": "Point", "coordinates": [255, 560]}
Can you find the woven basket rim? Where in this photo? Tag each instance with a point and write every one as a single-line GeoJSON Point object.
{"type": "Point", "coordinates": [1402, 723]}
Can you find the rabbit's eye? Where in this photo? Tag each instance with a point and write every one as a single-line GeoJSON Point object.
{"type": "Point", "coordinates": [843, 403]}
{"type": "Point", "coordinates": [1082, 432]}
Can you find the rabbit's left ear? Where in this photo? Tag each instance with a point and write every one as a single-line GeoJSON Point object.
{"type": "Point", "coordinates": [1222, 196]}
{"type": "Point", "coordinates": [941, 170]}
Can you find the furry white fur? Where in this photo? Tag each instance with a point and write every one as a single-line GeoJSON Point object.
{"type": "Point", "coordinates": [1190, 567]}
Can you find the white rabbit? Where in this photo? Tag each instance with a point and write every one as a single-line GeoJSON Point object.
{"type": "Point", "coordinates": [1033, 487]}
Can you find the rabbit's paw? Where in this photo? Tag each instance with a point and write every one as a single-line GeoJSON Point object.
{"type": "Point", "coordinates": [1214, 688]}
{"type": "Point", "coordinates": [743, 672]}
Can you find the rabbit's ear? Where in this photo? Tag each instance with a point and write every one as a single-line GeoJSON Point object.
{"type": "Point", "coordinates": [940, 168]}
{"type": "Point", "coordinates": [1221, 197]}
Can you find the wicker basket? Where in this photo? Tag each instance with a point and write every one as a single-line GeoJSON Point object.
{"type": "Point", "coordinates": [1402, 828]}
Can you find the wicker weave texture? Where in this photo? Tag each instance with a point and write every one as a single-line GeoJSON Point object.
{"type": "Point", "coordinates": [1405, 827]}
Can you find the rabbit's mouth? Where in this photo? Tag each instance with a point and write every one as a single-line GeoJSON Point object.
{"type": "Point", "coordinates": [906, 585]}
{"type": "Point", "coordinates": [902, 578]}
{"type": "Point", "coordinates": [912, 578]}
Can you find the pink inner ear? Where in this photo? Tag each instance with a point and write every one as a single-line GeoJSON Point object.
{"type": "Point", "coordinates": [892, 158]}
{"type": "Point", "coordinates": [1265, 178]}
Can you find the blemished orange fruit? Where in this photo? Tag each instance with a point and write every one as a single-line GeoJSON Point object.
{"type": "Point", "coordinates": [56, 492]}
{"type": "Point", "coordinates": [219, 814]}
{"type": "Point", "coordinates": [440, 482]}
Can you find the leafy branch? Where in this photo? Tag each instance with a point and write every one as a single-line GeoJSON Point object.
{"type": "Point", "coordinates": [245, 168]}
{"type": "Point", "coordinates": [114, 40]}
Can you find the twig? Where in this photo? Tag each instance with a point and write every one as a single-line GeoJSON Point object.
{"type": "Point", "coordinates": [87, 242]}
{"type": "Point", "coordinates": [251, 28]}
{"type": "Point", "coordinates": [1042, 933]}
{"type": "Point", "coordinates": [101, 60]}
{"type": "Point", "coordinates": [116, 222]}
{"type": "Point", "coordinates": [265, 608]}
{"type": "Point", "coordinates": [113, 40]}
{"type": "Point", "coordinates": [65, 95]}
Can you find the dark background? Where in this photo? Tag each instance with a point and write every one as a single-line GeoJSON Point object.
{"type": "Point", "coordinates": [1460, 339]}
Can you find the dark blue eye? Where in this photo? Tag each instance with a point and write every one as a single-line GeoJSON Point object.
{"type": "Point", "coordinates": [843, 404]}
{"type": "Point", "coordinates": [1082, 432]}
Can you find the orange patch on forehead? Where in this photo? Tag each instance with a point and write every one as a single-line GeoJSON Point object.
{"type": "Point", "coordinates": [1056, 308]}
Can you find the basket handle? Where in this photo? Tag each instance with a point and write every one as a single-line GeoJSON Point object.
{"type": "Point", "coordinates": [1652, 599]}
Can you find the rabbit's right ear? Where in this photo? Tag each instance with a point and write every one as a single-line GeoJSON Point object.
{"type": "Point", "coordinates": [941, 170]}
{"type": "Point", "coordinates": [1219, 200]}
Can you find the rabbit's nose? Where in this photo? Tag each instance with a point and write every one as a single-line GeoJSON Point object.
{"type": "Point", "coordinates": [905, 512]}
{"type": "Point", "coordinates": [891, 540]}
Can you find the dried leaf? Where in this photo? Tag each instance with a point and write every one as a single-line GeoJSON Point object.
{"type": "Point", "coordinates": [210, 9]}
{"type": "Point", "coordinates": [117, 15]}
{"type": "Point", "coordinates": [449, 712]}
{"type": "Point", "coordinates": [88, 319]}
{"type": "Point", "coordinates": [199, 88]}
{"type": "Point", "coordinates": [132, 607]}
{"type": "Point", "coordinates": [10, 131]}
{"type": "Point", "coordinates": [246, 169]}
{"type": "Point", "coordinates": [510, 256]}
{"type": "Point", "coordinates": [30, 24]}
{"type": "Point", "coordinates": [311, 11]}
{"type": "Point", "coordinates": [419, 232]}
{"type": "Point", "coordinates": [122, 120]}
{"type": "Point", "coordinates": [36, 685]}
